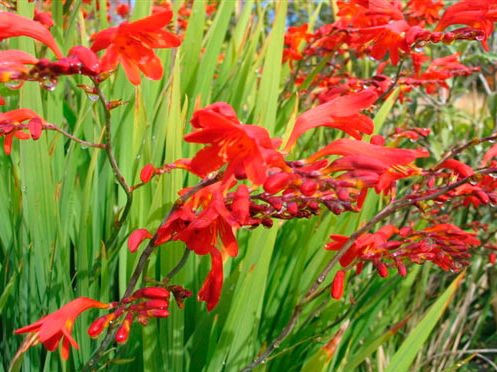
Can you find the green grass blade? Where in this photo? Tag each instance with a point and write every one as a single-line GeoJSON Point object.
{"type": "Point", "coordinates": [403, 358]}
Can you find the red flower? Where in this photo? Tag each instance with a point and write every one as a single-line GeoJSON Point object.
{"type": "Point", "coordinates": [211, 289]}
{"type": "Point", "coordinates": [341, 113]}
{"type": "Point", "coordinates": [131, 45]}
{"type": "Point", "coordinates": [50, 329]}
{"type": "Point", "coordinates": [492, 151]}
{"type": "Point", "coordinates": [215, 220]}
{"type": "Point", "coordinates": [15, 25]}
{"type": "Point", "coordinates": [9, 122]}
{"type": "Point", "coordinates": [204, 232]}
{"type": "Point", "coordinates": [367, 245]}
{"type": "Point", "coordinates": [248, 149]}
{"type": "Point", "coordinates": [425, 10]}
{"type": "Point", "coordinates": [293, 38]}
{"type": "Point", "coordinates": [383, 8]}
{"type": "Point", "coordinates": [478, 14]}
{"type": "Point", "coordinates": [389, 37]}
{"type": "Point", "coordinates": [123, 10]}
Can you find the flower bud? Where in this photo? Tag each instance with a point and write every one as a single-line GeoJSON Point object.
{"type": "Point", "coordinates": [35, 127]}
{"type": "Point", "coordinates": [267, 222]}
{"type": "Point", "coordinates": [309, 187]}
{"type": "Point", "coordinates": [156, 304]}
{"type": "Point", "coordinates": [158, 313]}
{"type": "Point", "coordinates": [382, 269]}
{"type": "Point", "coordinates": [147, 172]}
{"type": "Point", "coordinates": [99, 325]}
{"type": "Point", "coordinates": [122, 334]}
{"type": "Point", "coordinates": [358, 268]}
{"type": "Point", "coordinates": [136, 238]}
{"type": "Point", "coordinates": [292, 208]}
{"type": "Point", "coordinates": [152, 293]}
{"type": "Point", "coordinates": [277, 182]}
{"type": "Point", "coordinates": [337, 286]}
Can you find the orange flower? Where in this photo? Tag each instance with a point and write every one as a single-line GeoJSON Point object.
{"type": "Point", "coordinates": [341, 113]}
{"type": "Point", "coordinates": [132, 44]}
{"type": "Point", "coordinates": [478, 14]}
{"type": "Point", "coordinates": [389, 37]}
{"type": "Point", "coordinates": [10, 123]}
{"type": "Point", "coordinates": [50, 329]}
{"type": "Point", "coordinates": [248, 149]}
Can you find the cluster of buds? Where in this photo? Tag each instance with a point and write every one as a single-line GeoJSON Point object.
{"type": "Point", "coordinates": [80, 61]}
{"type": "Point", "coordinates": [445, 245]}
{"type": "Point", "coordinates": [419, 35]}
{"type": "Point", "coordinates": [143, 304]}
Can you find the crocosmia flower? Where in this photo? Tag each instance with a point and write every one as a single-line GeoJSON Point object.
{"type": "Point", "coordinates": [340, 113]}
{"type": "Point", "coordinates": [10, 126]}
{"type": "Point", "coordinates": [132, 44]}
{"type": "Point", "coordinates": [248, 149]}
{"type": "Point", "coordinates": [50, 329]}
{"type": "Point", "coordinates": [478, 14]}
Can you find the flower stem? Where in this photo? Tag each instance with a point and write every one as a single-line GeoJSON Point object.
{"type": "Point", "coordinates": [142, 261]}
{"type": "Point", "coordinates": [109, 149]}
{"type": "Point", "coordinates": [312, 292]}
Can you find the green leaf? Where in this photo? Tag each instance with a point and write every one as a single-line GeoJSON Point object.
{"type": "Point", "coordinates": [403, 358]}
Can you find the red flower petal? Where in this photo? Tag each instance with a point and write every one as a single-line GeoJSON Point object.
{"type": "Point", "coordinates": [327, 113]}
{"type": "Point", "coordinates": [35, 127]}
{"type": "Point", "coordinates": [136, 238]}
{"type": "Point", "coordinates": [337, 286]}
{"type": "Point", "coordinates": [15, 25]}
{"type": "Point", "coordinates": [211, 289]}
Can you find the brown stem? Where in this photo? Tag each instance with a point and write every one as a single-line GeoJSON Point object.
{"type": "Point", "coordinates": [457, 150]}
{"type": "Point", "coordinates": [109, 337]}
{"type": "Point", "coordinates": [394, 83]}
{"type": "Point", "coordinates": [109, 149]}
{"type": "Point", "coordinates": [73, 138]}
{"type": "Point", "coordinates": [312, 291]}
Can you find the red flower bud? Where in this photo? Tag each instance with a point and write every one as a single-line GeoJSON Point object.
{"type": "Point", "coordinates": [267, 222]}
{"type": "Point", "coordinates": [337, 286]}
{"type": "Point", "coordinates": [158, 313]}
{"type": "Point", "coordinates": [152, 293]}
{"type": "Point", "coordinates": [358, 268]}
{"type": "Point", "coordinates": [382, 269]}
{"type": "Point", "coordinates": [276, 203]}
{"type": "Point", "coordinates": [99, 325]}
{"type": "Point", "coordinates": [156, 304]}
{"type": "Point", "coordinates": [277, 182]}
{"type": "Point", "coordinates": [292, 208]}
{"type": "Point", "coordinates": [309, 187]}
{"type": "Point", "coordinates": [136, 238]}
{"type": "Point", "coordinates": [402, 269]}
{"type": "Point", "coordinates": [35, 127]}
{"type": "Point", "coordinates": [148, 171]}
{"type": "Point", "coordinates": [491, 258]}
{"type": "Point", "coordinates": [123, 331]}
